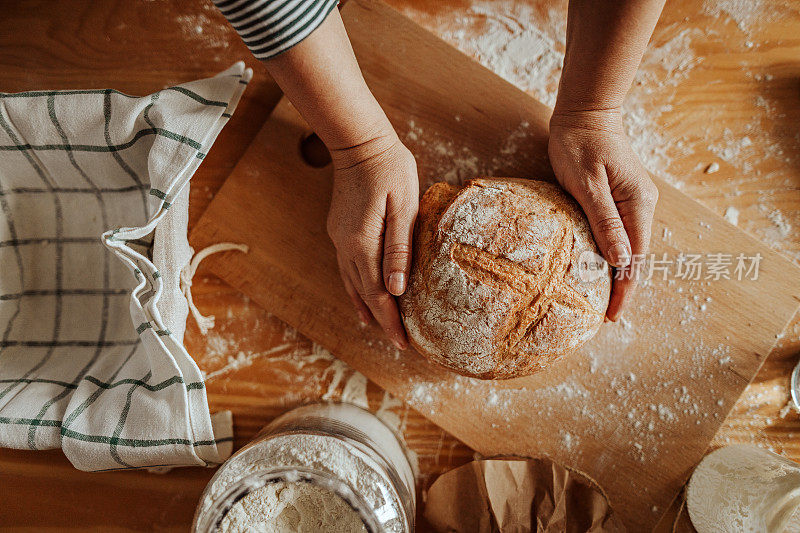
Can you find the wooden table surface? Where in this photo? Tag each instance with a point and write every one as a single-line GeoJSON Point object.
{"type": "Point", "coordinates": [743, 83]}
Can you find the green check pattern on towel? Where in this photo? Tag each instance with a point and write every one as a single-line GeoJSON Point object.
{"type": "Point", "coordinates": [91, 352]}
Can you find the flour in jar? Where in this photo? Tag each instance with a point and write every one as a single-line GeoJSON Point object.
{"type": "Point", "coordinates": [292, 507]}
{"type": "Point", "coordinates": [322, 467]}
{"type": "Point", "coordinates": [322, 454]}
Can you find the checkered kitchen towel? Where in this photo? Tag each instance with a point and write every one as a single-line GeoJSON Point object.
{"type": "Point", "coordinates": [87, 361]}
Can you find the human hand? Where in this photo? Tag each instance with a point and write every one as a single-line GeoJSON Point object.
{"type": "Point", "coordinates": [593, 161]}
{"type": "Point", "coordinates": [375, 189]}
{"type": "Point", "coordinates": [371, 222]}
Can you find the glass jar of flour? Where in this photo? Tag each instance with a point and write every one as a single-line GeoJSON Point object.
{"type": "Point", "coordinates": [745, 488]}
{"type": "Point", "coordinates": [323, 467]}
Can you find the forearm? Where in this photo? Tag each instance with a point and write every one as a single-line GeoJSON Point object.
{"type": "Point", "coordinates": [322, 79]}
{"type": "Point", "coordinates": [605, 43]}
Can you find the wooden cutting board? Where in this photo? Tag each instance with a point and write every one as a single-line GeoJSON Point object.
{"type": "Point", "coordinates": [635, 408]}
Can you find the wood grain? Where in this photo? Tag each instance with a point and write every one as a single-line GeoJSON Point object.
{"type": "Point", "coordinates": [676, 381]}
{"type": "Point", "coordinates": [139, 47]}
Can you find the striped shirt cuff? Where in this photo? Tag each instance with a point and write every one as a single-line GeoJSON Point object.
{"type": "Point", "coordinates": [269, 27]}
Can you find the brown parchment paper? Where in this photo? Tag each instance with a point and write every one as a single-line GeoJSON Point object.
{"type": "Point", "coordinates": [518, 496]}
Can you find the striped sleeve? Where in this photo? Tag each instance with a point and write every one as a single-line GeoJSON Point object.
{"type": "Point", "coordinates": [269, 27]}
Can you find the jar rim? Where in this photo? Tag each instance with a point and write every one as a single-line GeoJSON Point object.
{"type": "Point", "coordinates": [393, 465]}
{"type": "Point", "coordinates": [356, 439]}
{"type": "Point", "coordinates": [369, 452]}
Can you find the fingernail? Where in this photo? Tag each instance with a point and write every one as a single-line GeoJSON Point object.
{"type": "Point", "coordinates": [619, 255]}
{"type": "Point", "coordinates": [364, 318]}
{"type": "Point", "coordinates": [397, 283]}
{"type": "Point", "coordinates": [400, 345]}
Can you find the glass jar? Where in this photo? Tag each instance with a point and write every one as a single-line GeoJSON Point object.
{"type": "Point", "coordinates": [341, 450]}
{"type": "Point", "coordinates": [744, 488]}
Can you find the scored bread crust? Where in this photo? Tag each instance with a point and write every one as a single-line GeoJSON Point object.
{"type": "Point", "coordinates": [495, 291]}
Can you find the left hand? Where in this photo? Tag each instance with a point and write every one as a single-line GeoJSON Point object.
{"type": "Point", "coordinates": [593, 161]}
{"type": "Point", "coordinates": [371, 221]}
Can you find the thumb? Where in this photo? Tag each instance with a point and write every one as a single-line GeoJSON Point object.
{"type": "Point", "coordinates": [607, 227]}
{"type": "Point", "coordinates": [397, 245]}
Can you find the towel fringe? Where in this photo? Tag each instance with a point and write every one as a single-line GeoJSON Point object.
{"type": "Point", "coordinates": [204, 323]}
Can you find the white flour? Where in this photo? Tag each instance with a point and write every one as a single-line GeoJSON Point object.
{"type": "Point", "coordinates": [501, 38]}
{"type": "Point", "coordinates": [292, 508]}
{"type": "Point", "coordinates": [316, 452]}
{"type": "Point", "coordinates": [732, 215]}
{"type": "Point", "coordinates": [745, 13]}
{"type": "Point", "coordinates": [526, 47]}
{"type": "Point", "coordinates": [306, 469]}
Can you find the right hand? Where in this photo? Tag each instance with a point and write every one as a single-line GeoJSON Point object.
{"type": "Point", "coordinates": [593, 160]}
{"type": "Point", "coordinates": [371, 223]}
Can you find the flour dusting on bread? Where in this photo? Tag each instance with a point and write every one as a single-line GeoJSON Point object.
{"type": "Point", "coordinates": [495, 290]}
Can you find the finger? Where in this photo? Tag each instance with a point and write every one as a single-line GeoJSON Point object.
{"type": "Point", "coordinates": [382, 304]}
{"type": "Point", "coordinates": [637, 217]}
{"type": "Point", "coordinates": [400, 218]}
{"type": "Point", "coordinates": [622, 288]}
{"type": "Point", "coordinates": [361, 308]}
{"type": "Point", "coordinates": [624, 283]}
{"type": "Point", "coordinates": [637, 211]}
{"type": "Point", "coordinates": [347, 274]}
{"type": "Point", "coordinates": [355, 280]}
{"type": "Point", "coordinates": [607, 227]}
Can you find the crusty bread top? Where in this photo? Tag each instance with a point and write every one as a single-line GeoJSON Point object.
{"type": "Point", "coordinates": [495, 290]}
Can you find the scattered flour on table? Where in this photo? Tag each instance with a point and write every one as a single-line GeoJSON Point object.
{"type": "Point", "coordinates": [646, 405]}
{"type": "Point", "coordinates": [777, 218]}
{"type": "Point", "coordinates": [338, 368]}
{"type": "Point", "coordinates": [744, 13]}
{"type": "Point", "coordinates": [303, 366]}
{"type": "Point", "coordinates": [423, 392]}
{"type": "Point", "coordinates": [355, 390]}
{"type": "Point", "coordinates": [732, 148]}
{"type": "Point", "coordinates": [501, 36]}
{"type": "Point", "coordinates": [453, 163]}
{"type": "Point", "coordinates": [386, 411]}
{"type": "Point", "coordinates": [569, 440]}
{"type": "Point", "coordinates": [200, 29]}
{"type": "Point", "coordinates": [513, 40]}
{"type": "Point", "coordinates": [193, 24]}
{"type": "Point", "coordinates": [732, 215]}
{"type": "Point", "coordinates": [225, 354]}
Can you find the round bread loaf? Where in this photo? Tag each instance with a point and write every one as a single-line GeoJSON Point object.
{"type": "Point", "coordinates": [505, 277]}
